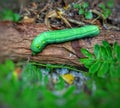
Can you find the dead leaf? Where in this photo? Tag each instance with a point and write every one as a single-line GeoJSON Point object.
{"type": "Point", "coordinates": [69, 78]}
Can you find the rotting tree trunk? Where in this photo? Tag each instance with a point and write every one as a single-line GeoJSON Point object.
{"type": "Point", "coordinates": [15, 40]}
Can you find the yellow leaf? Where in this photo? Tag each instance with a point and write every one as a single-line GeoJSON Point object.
{"type": "Point", "coordinates": [69, 78]}
{"type": "Point", "coordinates": [15, 75]}
{"type": "Point", "coordinates": [17, 72]}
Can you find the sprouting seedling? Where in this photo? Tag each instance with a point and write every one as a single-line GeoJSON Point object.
{"type": "Point", "coordinates": [106, 8]}
{"type": "Point", "coordinates": [83, 10]}
{"type": "Point", "coordinates": [9, 15]}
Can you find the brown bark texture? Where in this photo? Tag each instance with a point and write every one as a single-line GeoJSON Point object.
{"type": "Point", "coordinates": [15, 40]}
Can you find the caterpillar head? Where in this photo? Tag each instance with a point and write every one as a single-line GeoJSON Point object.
{"type": "Point", "coordinates": [37, 45]}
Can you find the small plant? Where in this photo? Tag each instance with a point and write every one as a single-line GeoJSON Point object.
{"type": "Point", "coordinates": [106, 8]}
{"type": "Point", "coordinates": [32, 93]}
{"type": "Point", "coordinates": [7, 67]}
{"type": "Point", "coordinates": [31, 89]}
{"type": "Point", "coordinates": [83, 10]}
{"type": "Point", "coordinates": [104, 62]}
{"type": "Point", "coordinates": [9, 15]}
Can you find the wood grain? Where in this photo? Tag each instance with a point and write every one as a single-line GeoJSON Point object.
{"type": "Point", "coordinates": [15, 40]}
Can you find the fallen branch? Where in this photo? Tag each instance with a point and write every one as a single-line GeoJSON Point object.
{"type": "Point", "coordinates": [15, 40]}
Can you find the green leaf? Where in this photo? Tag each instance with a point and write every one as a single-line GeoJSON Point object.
{"type": "Point", "coordinates": [86, 53]}
{"type": "Point", "coordinates": [106, 61]}
{"type": "Point", "coordinates": [9, 15]}
{"type": "Point", "coordinates": [69, 91]}
{"type": "Point", "coordinates": [114, 49]}
{"type": "Point", "coordinates": [105, 43]}
{"type": "Point", "coordinates": [85, 5]}
{"type": "Point", "coordinates": [109, 53]}
{"type": "Point", "coordinates": [60, 84]}
{"type": "Point", "coordinates": [95, 67]}
{"type": "Point", "coordinates": [108, 49]}
{"type": "Point", "coordinates": [97, 51]}
{"type": "Point", "coordinates": [87, 62]}
{"type": "Point", "coordinates": [118, 52]}
{"type": "Point", "coordinates": [106, 13]}
{"type": "Point", "coordinates": [110, 4]}
{"type": "Point", "coordinates": [48, 67]}
{"type": "Point", "coordinates": [88, 15]}
{"type": "Point", "coordinates": [103, 69]}
{"type": "Point", "coordinates": [16, 17]}
{"type": "Point", "coordinates": [3, 70]}
{"type": "Point", "coordinates": [46, 80]}
{"type": "Point", "coordinates": [112, 69]}
{"type": "Point", "coordinates": [81, 11]}
{"type": "Point", "coordinates": [102, 6]}
{"type": "Point", "coordinates": [10, 65]}
{"type": "Point", "coordinates": [116, 72]}
{"type": "Point", "coordinates": [103, 53]}
{"type": "Point", "coordinates": [76, 6]}
{"type": "Point", "coordinates": [6, 14]}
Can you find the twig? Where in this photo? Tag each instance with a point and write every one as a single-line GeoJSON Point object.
{"type": "Point", "coordinates": [109, 27]}
{"type": "Point", "coordinates": [75, 21]}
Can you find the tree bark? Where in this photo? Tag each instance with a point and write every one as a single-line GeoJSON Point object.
{"type": "Point", "coordinates": [15, 40]}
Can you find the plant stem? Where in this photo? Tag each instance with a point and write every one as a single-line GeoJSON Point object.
{"type": "Point", "coordinates": [57, 66]}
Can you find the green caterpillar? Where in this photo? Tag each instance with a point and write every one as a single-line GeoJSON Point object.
{"type": "Point", "coordinates": [59, 36]}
